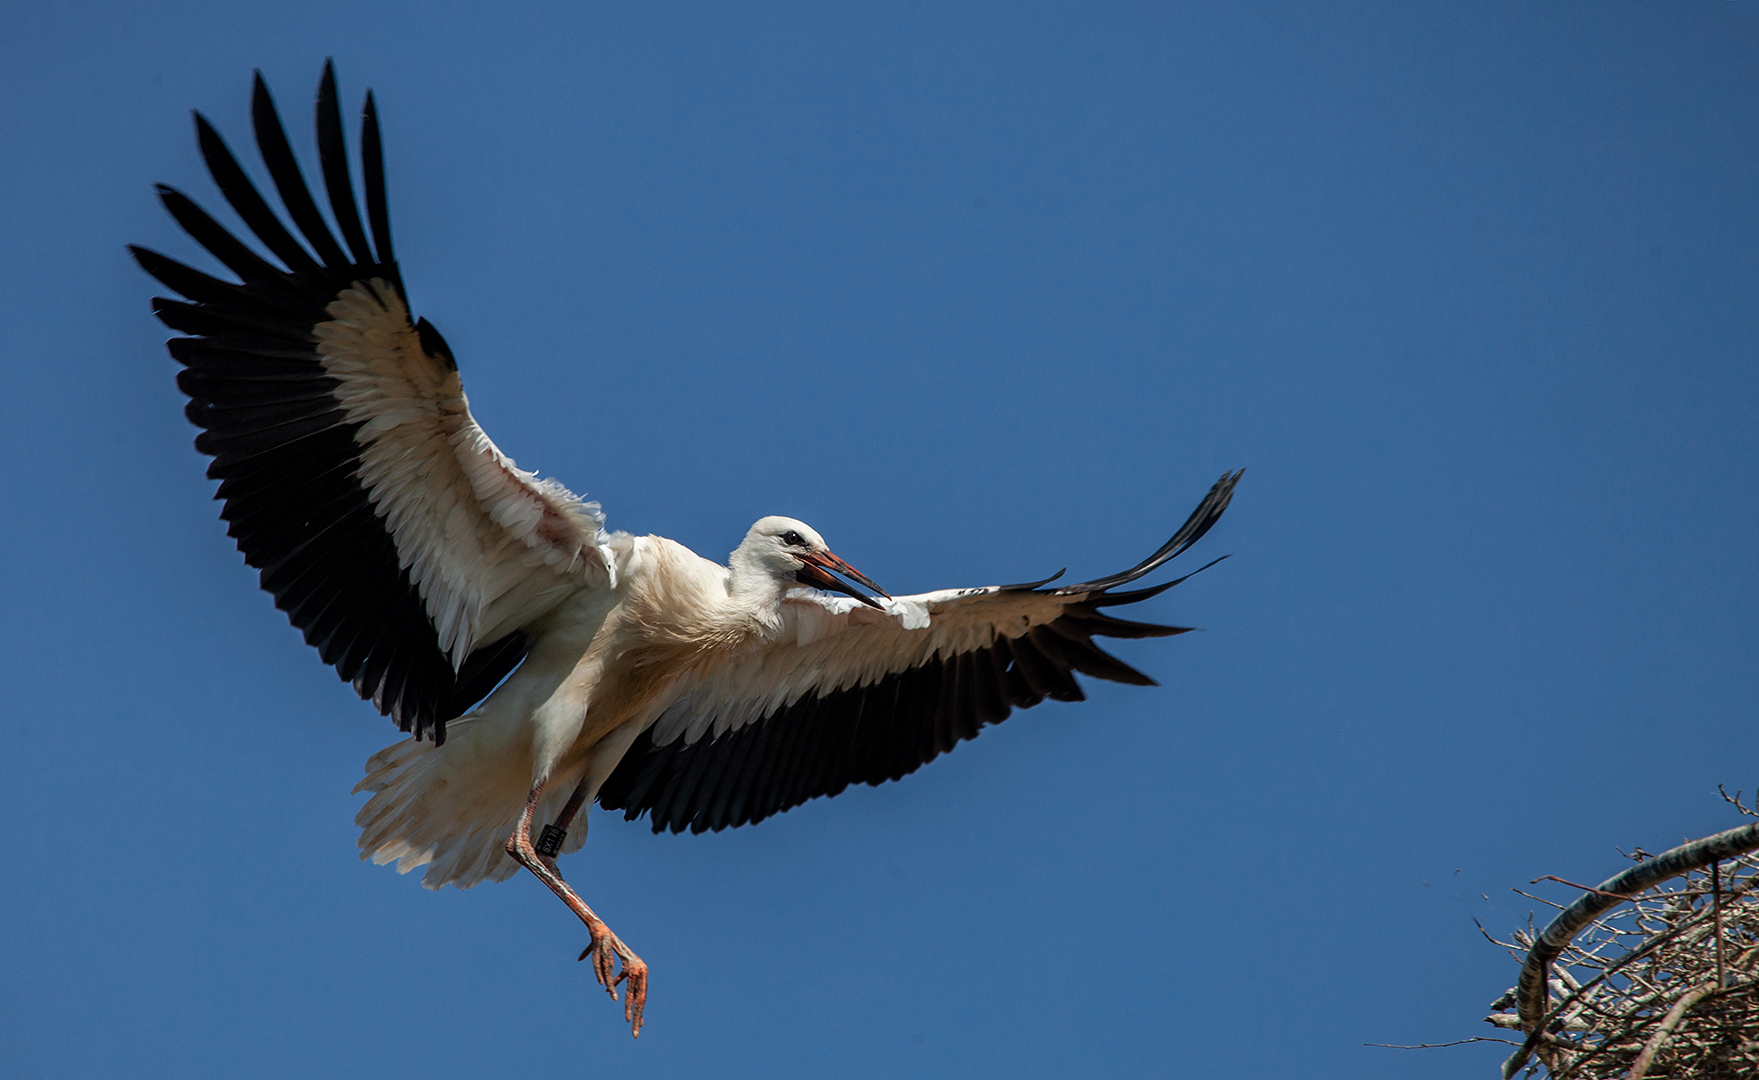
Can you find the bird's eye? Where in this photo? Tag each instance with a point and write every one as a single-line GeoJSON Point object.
{"type": "Point", "coordinates": [792, 539]}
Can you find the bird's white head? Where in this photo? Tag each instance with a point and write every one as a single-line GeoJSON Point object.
{"type": "Point", "coordinates": [784, 553]}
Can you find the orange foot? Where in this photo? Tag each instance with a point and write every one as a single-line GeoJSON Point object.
{"type": "Point", "coordinates": [605, 950]}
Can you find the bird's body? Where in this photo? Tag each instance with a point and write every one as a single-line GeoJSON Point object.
{"type": "Point", "coordinates": [539, 661]}
{"type": "Point", "coordinates": [602, 666]}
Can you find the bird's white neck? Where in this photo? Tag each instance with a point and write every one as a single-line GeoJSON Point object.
{"type": "Point", "coordinates": [754, 585]}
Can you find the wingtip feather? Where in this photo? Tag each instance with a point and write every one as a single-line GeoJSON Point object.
{"type": "Point", "coordinates": [1202, 519]}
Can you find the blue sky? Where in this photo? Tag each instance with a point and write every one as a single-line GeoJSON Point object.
{"type": "Point", "coordinates": [979, 291]}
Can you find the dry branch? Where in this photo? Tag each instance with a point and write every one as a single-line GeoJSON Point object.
{"type": "Point", "coordinates": [1635, 978]}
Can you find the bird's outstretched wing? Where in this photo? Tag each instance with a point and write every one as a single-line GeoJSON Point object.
{"type": "Point", "coordinates": [849, 694]}
{"type": "Point", "coordinates": [409, 550]}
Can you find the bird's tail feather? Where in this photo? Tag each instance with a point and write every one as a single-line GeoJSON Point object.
{"type": "Point", "coordinates": [451, 807]}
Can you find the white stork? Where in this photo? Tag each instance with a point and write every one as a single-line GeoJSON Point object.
{"type": "Point", "coordinates": [537, 660]}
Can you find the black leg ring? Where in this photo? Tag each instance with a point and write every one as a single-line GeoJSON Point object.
{"type": "Point", "coordinates": [549, 842]}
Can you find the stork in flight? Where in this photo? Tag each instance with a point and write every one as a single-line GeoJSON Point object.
{"type": "Point", "coordinates": [538, 661]}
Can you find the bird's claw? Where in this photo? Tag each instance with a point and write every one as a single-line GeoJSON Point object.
{"type": "Point", "coordinates": [603, 963]}
{"type": "Point", "coordinates": [605, 950]}
{"type": "Point", "coordinates": [635, 1001]}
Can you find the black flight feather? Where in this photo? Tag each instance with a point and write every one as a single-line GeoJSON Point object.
{"type": "Point", "coordinates": [282, 445]}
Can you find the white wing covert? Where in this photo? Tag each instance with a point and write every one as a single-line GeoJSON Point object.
{"type": "Point", "coordinates": [849, 694]}
{"type": "Point", "coordinates": [409, 550]}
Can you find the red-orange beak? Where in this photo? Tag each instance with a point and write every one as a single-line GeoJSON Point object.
{"type": "Point", "coordinates": [815, 573]}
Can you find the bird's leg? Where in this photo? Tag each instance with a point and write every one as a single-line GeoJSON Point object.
{"type": "Point", "coordinates": [550, 841]}
{"type": "Point", "coordinates": [604, 943]}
